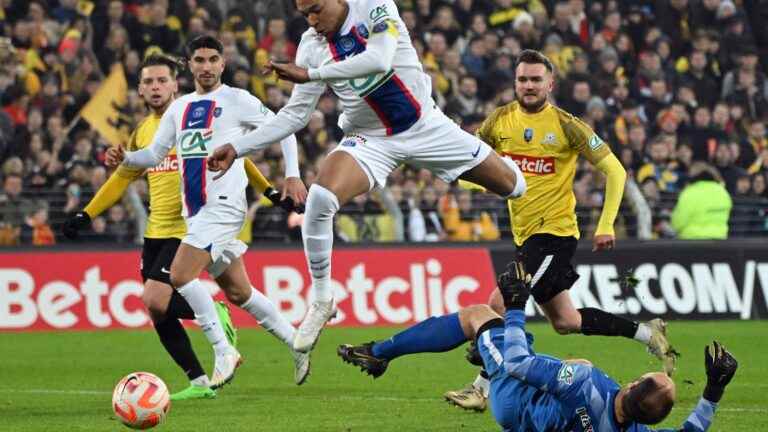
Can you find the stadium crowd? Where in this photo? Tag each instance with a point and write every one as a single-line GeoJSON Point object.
{"type": "Point", "coordinates": [676, 87]}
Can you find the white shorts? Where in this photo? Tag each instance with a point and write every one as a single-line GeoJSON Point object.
{"type": "Point", "coordinates": [435, 142]}
{"type": "Point", "coordinates": [216, 237]}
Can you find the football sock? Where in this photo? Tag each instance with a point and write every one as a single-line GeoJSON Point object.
{"type": "Point", "coordinates": [643, 333]}
{"type": "Point", "coordinates": [436, 334]}
{"type": "Point", "coordinates": [175, 340]}
{"type": "Point", "coordinates": [179, 308]}
{"type": "Point", "coordinates": [482, 383]}
{"type": "Point", "coordinates": [265, 312]}
{"type": "Point", "coordinates": [201, 381]}
{"type": "Point", "coordinates": [317, 232]}
{"type": "Point", "coordinates": [598, 322]}
{"type": "Point", "coordinates": [205, 313]}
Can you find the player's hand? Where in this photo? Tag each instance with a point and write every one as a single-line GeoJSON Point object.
{"type": "Point", "coordinates": [277, 199]}
{"type": "Point", "coordinates": [603, 242]}
{"type": "Point", "coordinates": [115, 156]}
{"type": "Point", "coordinates": [288, 71]}
{"type": "Point", "coordinates": [295, 190]}
{"type": "Point", "coordinates": [515, 286]}
{"type": "Point", "coordinates": [720, 366]}
{"type": "Point", "coordinates": [73, 225]}
{"type": "Point", "coordinates": [222, 159]}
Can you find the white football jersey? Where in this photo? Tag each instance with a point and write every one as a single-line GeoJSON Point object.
{"type": "Point", "coordinates": [197, 125]}
{"type": "Point", "coordinates": [379, 104]}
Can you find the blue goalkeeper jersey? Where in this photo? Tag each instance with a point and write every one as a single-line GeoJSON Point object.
{"type": "Point", "coordinates": [566, 396]}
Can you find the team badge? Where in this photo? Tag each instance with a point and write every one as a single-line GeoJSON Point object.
{"type": "Point", "coordinates": [217, 112]}
{"type": "Point", "coordinates": [549, 138]}
{"type": "Point", "coordinates": [347, 43]}
{"type": "Point", "coordinates": [198, 112]}
{"type": "Point", "coordinates": [528, 134]}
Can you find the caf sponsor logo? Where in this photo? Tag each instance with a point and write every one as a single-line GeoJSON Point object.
{"type": "Point", "coordinates": [534, 165]}
{"type": "Point", "coordinates": [195, 143]}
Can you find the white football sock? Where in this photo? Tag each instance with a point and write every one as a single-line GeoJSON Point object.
{"type": "Point", "coordinates": [201, 381]}
{"type": "Point", "coordinates": [482, 384]}
{"type": "Point", "coordinates": [643, 333]}
{"type": "Point", "coordinates": [202, 304]}
{"type": "Point", "coordinates": [317, 232]}
{"type": "Point", "coordinates": [265, 312]}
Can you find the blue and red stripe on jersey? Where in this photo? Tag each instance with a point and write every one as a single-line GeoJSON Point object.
{"type": "Point", "coordinates": [197, 115]}
{"type": "Point", "coordinates": [393, 103]}
{"type": "Point", "coordinates": [194, 184]}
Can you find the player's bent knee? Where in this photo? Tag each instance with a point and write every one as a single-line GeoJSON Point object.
{"type": "Point", "coordinates": [155, 298]}
{"type": "Point", "coordinates": [237, 297]}
{"type": "Point", "coordinates": [564, 326]}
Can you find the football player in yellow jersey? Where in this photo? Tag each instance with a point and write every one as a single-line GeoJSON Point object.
{"type": "Point", "coordinates": [546, 141]}
{"type": "Point", "coordinates": [165, 226]}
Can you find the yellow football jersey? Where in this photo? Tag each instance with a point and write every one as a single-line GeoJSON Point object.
{"type": "Point", "coordinates": [164, 182]}
{"type": "Point", "coordinates": [545, 146]}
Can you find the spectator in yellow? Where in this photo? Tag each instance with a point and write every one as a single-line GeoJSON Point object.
{"type": "Point", "coordinates": [463, 223]}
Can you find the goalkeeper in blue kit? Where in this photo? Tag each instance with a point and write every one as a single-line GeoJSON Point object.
{"type": "Point", "coordinates": [534, 392]}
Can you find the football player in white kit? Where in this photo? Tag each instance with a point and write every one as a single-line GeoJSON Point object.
{"type": "Point", "coordinates": [197, 123]}
{"type": "Point", "coordinates": [362, 50]}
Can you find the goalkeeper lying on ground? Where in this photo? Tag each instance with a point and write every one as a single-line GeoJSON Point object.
{"type": "Point", "coordinates": [534, 392]}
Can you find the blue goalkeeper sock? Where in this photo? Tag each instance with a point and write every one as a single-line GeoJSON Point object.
{"type": "Point", "coordinates": [436, 334]}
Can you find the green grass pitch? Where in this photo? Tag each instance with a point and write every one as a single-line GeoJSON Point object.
{"type": "Point", "coordinates": [63, 381]}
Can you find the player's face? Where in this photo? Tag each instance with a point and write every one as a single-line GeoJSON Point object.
{"type": "Point", "coordinates": [206, 65]}
{"type": "Point", "coordinates": [533, 83]}
{"type": "Point", "coordinates": [325, 16]}
{"type": "Point", "coordinates": [157, 86]}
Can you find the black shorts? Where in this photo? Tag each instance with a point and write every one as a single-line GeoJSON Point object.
{"type": "Point", "coordinates": [548, 258]}
{"type": "Point", "coordinates": [156, 258]}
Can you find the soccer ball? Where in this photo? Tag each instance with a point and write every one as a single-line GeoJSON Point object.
{"type": "Point", "coordinates": [141, 400]}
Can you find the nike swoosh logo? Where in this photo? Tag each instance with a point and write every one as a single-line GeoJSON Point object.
{"type": "Point", "coordinates": [162, 269]}
{"type": "Point", "coordinates": [195, 122]}
{"type": "Point", "coordinates": [477, 151]}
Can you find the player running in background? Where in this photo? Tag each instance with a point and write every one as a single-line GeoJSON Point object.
{"type": "Point", "coordinates": [535, 392]}
{"type": "Point", "coordinates": [546, 142]}
{"type": "Point", "coordinates": [165, 227]}
{"type": "Point", "coordinates": [362, 50]}
{"type": "Point", "coordinates": [214, 212]}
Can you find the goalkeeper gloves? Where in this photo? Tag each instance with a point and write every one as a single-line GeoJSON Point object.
{"type": "Point", "coordinates": [286, 204]}
{"type": "Point", "coordinates": [515, 286]}
{"type": "Point", "coordinates": [720, 366]}
{"type": "Point", "coordinates": [73, 225]}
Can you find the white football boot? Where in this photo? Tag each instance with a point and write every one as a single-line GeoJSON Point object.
{"type": "Point", "coordinates": [309, 331]}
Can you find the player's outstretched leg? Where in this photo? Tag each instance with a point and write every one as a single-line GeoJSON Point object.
{"type": "Point", "coordinates": [436, 334]}
{"type": "Point", "coordinates": [235, 283]}
{"type": "Point", "coordinates": [317, 232]}
{"type": "Point", "coordinates": [166, 307]}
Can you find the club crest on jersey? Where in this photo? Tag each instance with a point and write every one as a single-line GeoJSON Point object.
{"type": "Point", "coordinates": [549, 139]}
{"type": "Point", "coordinates": [528, 134]}
{"type": "Point", "coordinates": [195, 143]}
{"type": "Point", "coordinates": [217, 112]}
{"type": "Point", "coordinates": [347, 43]}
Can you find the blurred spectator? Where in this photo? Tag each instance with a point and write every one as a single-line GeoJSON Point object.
{"type": "Point", "coordinates": [35, 229]}
{"type": "Point", "coordinates": [463, 223]}
{"type": "Point", "coordinates": [703, 207]}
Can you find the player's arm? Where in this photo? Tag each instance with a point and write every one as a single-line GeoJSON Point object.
{"type": "Point", "coordinates": [162, 143]}
{"type": "Point", "coordinates": [261, 184]}
{"type": "Point", "coordinates": [584, 140]}
{"type": "Point", "coordinates": [549, 374]}
{"type": "Point", "coordinates": [290, 119]}
{"type": "Point", "coordinates": [720, 366]}
{"type": "Point", "coordinates": [379, 52]}
{"type": "Point", "coordinates": [107, 195]}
